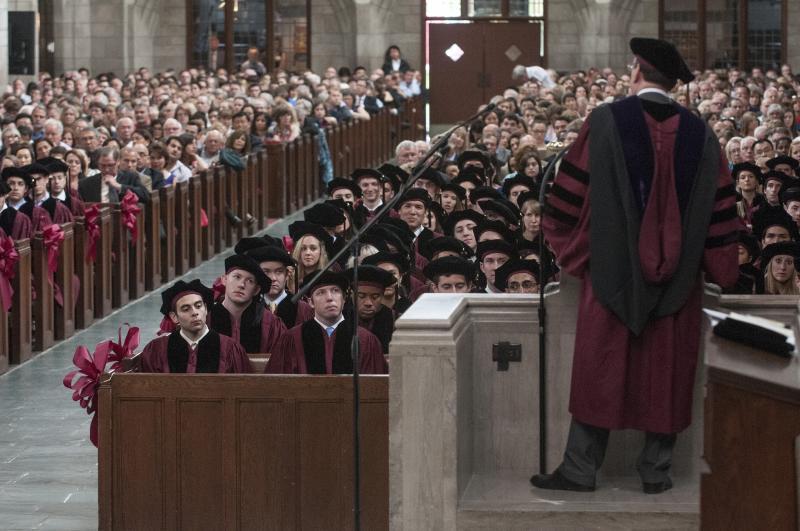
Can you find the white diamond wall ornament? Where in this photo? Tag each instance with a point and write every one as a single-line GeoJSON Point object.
{"type": "Point", "coordinates": [513, 53]}
{"type": "Point", "coordinates": [454, 52]}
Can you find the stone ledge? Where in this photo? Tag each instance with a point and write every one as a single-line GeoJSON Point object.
{"type": "Point", "coordinates": [508, 501]}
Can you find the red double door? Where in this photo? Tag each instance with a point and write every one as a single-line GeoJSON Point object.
{"type": "Point", "coordinates": [472, 61]}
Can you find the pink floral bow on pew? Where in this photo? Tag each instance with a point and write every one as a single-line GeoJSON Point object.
{"type": "Point", "coordinates": [8, 269]}
{"type": "Point", "coordinates": [53, 235]}
{"type": "Point", "coordinates": [129, 207]}
{"type": "Point", "coordinates": [92, 224]}
{"type": "Point", "coordinates": [90, 369]}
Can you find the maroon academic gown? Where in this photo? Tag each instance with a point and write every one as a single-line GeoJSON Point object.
{"type": "Point", "coordinates": [307, 349]}
{"type": "Point", "coordinates": [215, 353]}
{"type": "Point", "coordinates": [15, 224]}
{"type": "Point", "coordinates": [38, 216]}
{"type": "Point", "coordinates": [293, 313]}
{"type": "Point", "coordinates": [57, 210]}
{"type": "Point", "coordinates": [260, 332]}
{"type": "Point", "coordinates": [621, 381]}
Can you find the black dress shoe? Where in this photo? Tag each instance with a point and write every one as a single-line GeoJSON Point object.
{"type": "Point", "coordinates": [657, 488]}
{"type": "Point", "coordinates": [556, 481]}
{"type": "Point", "coordinates": [233, 219]}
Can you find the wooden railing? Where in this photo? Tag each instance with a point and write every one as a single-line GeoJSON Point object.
{"type": "Point", "coordinates": [277, 181]}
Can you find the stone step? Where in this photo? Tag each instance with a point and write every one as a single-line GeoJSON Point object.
{"type": "Point", "coordinates": [508, 501]}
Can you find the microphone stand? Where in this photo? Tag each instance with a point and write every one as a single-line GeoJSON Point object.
{"type": "Point", "coordinates": [548, 174]}
{"type": "Point", "coordinates": [434, 154]}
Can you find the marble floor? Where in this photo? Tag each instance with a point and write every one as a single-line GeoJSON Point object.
{"type": "Point", "coordinates": [48, 466]}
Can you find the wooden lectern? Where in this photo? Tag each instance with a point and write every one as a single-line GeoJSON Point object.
{"type": "Point", "coordinates": [752, 414]}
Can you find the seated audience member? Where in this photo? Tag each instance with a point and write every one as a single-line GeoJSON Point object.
{"type": "Point", "coordinates": [110, 185]}
{"type": "Point", "coordinates": [778, 268]}
{"type": "Point", "coordinates": [13, 224]}
{"type": "Point", "coordinates": [370, 183]}
{"type": "Point", "coordinates": [20, 183]}
{"type": "Point", "coordinates": [397, 264]}
{"type": "Point", "coordinates": [450, 274]}
{"type": "Point", "coordinates": [461, 224]}
{"type": "Point", "coordinates": [344, 189]}
{"type": "Point", "coordinates": [322, 344]}
{"type": "Point", "coordinates": [491, 254]}
{"type": "Point", "coordinates": [372, 314]}
{"type": "Point", "coordinates": [42, 186]}
{"type": "Point", "coordinates": [59, 189]}
{"type": "Point", "coordinates": [241, 315]}
{"type": "Point", "coordinates": [192, 347]}
{"type": "Point", "coordinates": [275, 262]}
{"type": "Point", "coordinates": [518, 276]}
{"type": "Point", "coordinates": [791, 203]}
{"type": "Point", "coordinates": [311, 248]}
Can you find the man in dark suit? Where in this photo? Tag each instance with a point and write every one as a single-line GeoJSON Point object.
{"type": "Point", "coordinates": [110, 185]}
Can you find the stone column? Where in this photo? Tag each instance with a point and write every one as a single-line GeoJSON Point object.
{"type": "Point", "coordinates": [793, 38]}
{"type": "Point", "coordinates": [586, 33]}
{"type": "Point", "coordinates": [351, 33]}
{"type": "Point", "coordinates": [3, 43]}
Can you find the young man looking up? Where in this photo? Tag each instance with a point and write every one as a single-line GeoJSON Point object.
{"type": "Point", "coordinates": [192, 347]}
{"type": "Point", "coordinates": [322, 345]}
{"type": "Point", "coordinates": [241, 314]}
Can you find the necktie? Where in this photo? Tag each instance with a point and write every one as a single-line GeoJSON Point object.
{"type": "Point", "coordinates": [329, 330]}
{"type": "Point", "coordinates": [273, 307]}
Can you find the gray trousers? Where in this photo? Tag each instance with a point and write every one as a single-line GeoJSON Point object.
{"type": "Point", "coordinates": [586, 450]}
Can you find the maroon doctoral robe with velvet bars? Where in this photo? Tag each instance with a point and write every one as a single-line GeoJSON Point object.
{"type": "Point", "coordinates": [619, 380]}
{"type": "Point", "coordinates": [215, 353]}
{"type": "Point", "coordinates": [307, 349]}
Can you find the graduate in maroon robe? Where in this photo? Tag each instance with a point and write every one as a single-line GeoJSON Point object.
{"type": "Point", "coordinates": [59, 192]}
{"type": "Point", "coordinates": [650, 176]}
{"type": "Point", "coordinates": [26, 218]}
{"type": "Point", "coordinates": [192, 347]}
{"type": "Point", "coordinates": [372, 314]}
{"type": "Point", "coordinates": [274, 261]}
{"type": "Point", "coordinates": [14, 224]}
{"type": "Point", "coordinates": [241, 313]}
{"type": "Point", "coordinates": [370, 183]}
{"type": "Point", "coordinates": [37, 179]}
{"type": "Point", "coordinates": [322, 345]}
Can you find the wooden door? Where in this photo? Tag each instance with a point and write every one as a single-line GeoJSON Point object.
{"type": "Point", "coordinates": [456, 78]}
{"type": "Point", "coordinates": [471, 61]}
{"type": "Point", "coordinates": [506, 44]}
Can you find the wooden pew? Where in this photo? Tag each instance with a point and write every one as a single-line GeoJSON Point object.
{"type": "Point", "coordinates": [230, 182]}
{"type": "Point", "coordinates": [103, 293]}
{"type": "Point", "coordinates": [239, 452]}
{"type": "Point", "coordinates": [244, 191]}
{"type": "Point", "coordinates": [43, 325]}
{"type": "Point", "coordinates": [195, 231]}
{"type": "Point", "coordinates": [260, 189]}
{"type": "Point", "coordinates": [64, 316]}
{"type": "Point", "coordinates": [21, 332]}
{"type": "Point", "coordinates": [207, 234]}
{"type": "Point", "coordinates": [84, 270]}
{"type": "Point", "coordinates": [221, 232]}
{"type": "Point", "coordinates": [291, 174]}
{"type": "Point", "coordinates": [276, 182]}
{"type": "Point", "coordinates": [167, 199]}
{"type": "Point", "coordinates": [120, 247]}
{"type": "Point", "coordinates": [152, 242]}
{"type": "Point", "coordinates": [182, 227]}
{"type": "Point", "coordinates": [136, 255]}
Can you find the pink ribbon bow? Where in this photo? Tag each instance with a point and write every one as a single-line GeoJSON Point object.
{"type": "Point", "coordinates": [130, 207]}
{"type": "Point", "coordinates": [123, 349]}
{"type": "Point", "coordinates": [90, 369]}
{"type": "Point", "coordinates": [92, 223]}
{"type": "Point", "coordinates": [53, 235]}
{"type": "Point", "coordinates": [8, 265]}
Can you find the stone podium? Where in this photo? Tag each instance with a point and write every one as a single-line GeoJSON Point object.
{"type": "Point", "coordinates": [464, 436]}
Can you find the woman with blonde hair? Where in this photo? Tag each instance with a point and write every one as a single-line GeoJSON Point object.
{"type": "Point", "coordinates": [733, 151]}
{"type": "Point", "coordinates": [311, 244]}
{"type": "Point", "coordinates": [778, 265]}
